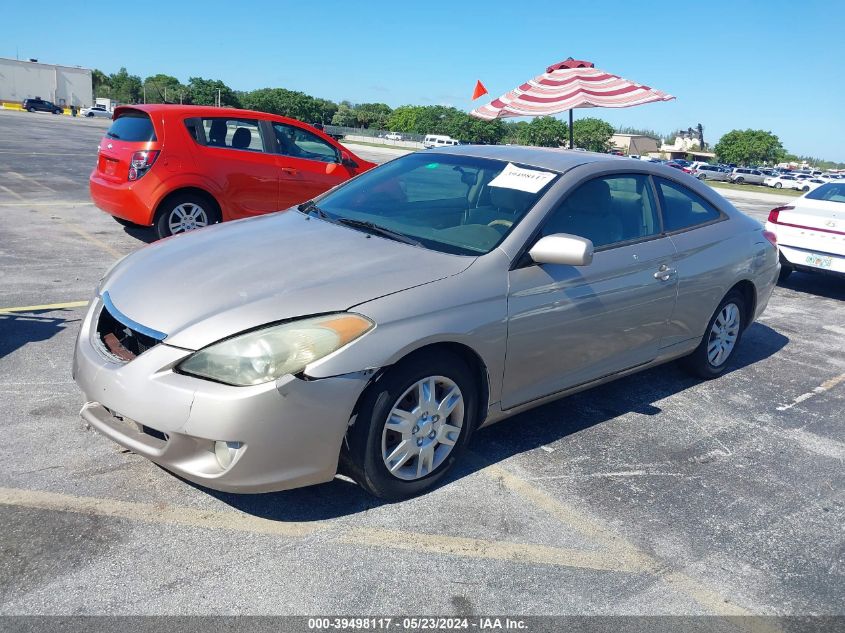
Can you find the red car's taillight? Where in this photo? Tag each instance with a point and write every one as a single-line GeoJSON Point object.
{"type": "Point", "coordinates": [141, 163]}
{"type": "Point", "coordinates": [774, 213]}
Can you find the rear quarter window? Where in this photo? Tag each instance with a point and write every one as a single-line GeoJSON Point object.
{"type": "Point", "coordinates": [683, 208]}
{"type": "Point", "coordinates": [132, 126]}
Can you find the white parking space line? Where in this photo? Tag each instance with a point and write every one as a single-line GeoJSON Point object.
{"type": "Point", "coordinates": [825, 386]}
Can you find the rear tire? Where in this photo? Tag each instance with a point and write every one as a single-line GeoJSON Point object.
{"type": "Point", "coordinates": [430, 401]}
{"type": "Point", "coordinates": [778, 185]}
{"type": "Point", "coordinates": [786, 270]}
{"type": "Point", "coordinates": [720, 340]}
{"type": "Point", "coordinates": [702, 177]}
{"type": "Point", "coordinates": [739, 181]}
{"type": "Point", "coordinates": [185, 212]}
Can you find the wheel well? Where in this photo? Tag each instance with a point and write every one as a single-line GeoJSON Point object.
{"type": "Point", "coordinates": [749, 294]}
{"type": "Point", "coordinates": [202, 193]}
{"type": "Point", "coordinates": [465, 353]}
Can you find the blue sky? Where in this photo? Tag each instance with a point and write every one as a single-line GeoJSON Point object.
{"type": "Point", "coordinates": [773, 65]}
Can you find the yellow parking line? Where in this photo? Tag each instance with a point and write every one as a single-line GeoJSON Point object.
{"type": "Point", "coordinates": [488, 549]}
{"type": "Point", "coordinates": [161, 513]}
{"type": "Point", "coordinates": [152, 512]}
{"type": "Point", "coordinates": [55, 203]}
{"type": "Point", "coordinates": [47, 306]}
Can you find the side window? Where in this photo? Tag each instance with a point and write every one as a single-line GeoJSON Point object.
{"type": "Point", "coordinates": [683, 208]}
{"type": "Point", "coordinates": [242, 134]}
{"type": "Point", "coordinates": [607, 210]}
{"type": "Point", "coordinates": [298, 143]}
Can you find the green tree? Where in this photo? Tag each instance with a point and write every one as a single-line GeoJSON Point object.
{"type": "Point", "coordinates": [405, 119]}
{"type": "Point", "coordinates": [124, 88]}
{"type": "Point", "coordinates": [204, 92]}
{"type": "Point", "coordinates": [375, 115]}
{"type": "Point", "coordinates": [544, 131]}
{"type": "Point", "coordinates": [290, 103]}
{"type": "Point", "coordinates": [592, 134]}
{"type": "Point", "coordinates": [100, 83]}
{"type": "Point", "coordinates": [163, 89]}
{"type": "Point", "coordinates": [345, 116]}
{"type": "Point", "coordinates": [748, 147]}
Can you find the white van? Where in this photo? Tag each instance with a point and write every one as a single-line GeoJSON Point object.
{"type": "Point", "coordinates": [438, 140]}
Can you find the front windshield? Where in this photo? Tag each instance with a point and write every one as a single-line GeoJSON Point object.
{"type": "Point", "coordinates": [832, 192]}
{"type": "Point", "coordinates": [449, 203]}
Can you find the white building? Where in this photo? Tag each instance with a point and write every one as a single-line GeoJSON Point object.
{"type": "Point", "coordinates": [63, 85]}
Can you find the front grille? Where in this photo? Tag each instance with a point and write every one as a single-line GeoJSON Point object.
{"type": "Point", "coordinates": [121, 341]}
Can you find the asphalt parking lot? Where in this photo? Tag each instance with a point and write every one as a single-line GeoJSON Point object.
{"type": "Point", "coordinates": [656, 494]}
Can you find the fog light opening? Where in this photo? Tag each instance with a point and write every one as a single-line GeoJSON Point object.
{"type": "Point", "coordinates": [226, 452]}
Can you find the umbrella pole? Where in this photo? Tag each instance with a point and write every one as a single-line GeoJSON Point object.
{"type": "Point", "coordinates": [570, 129]}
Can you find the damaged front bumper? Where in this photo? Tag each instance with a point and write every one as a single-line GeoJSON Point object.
{"type": "Point", "coordinates": [287, 433]}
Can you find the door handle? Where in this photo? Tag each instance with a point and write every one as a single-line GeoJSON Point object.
{"type": "Point", "coordinates": [290, 171]}
{"type": "Point", "coordinates": [664, 273]}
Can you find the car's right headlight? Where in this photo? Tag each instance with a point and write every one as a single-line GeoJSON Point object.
{"type": "Point", "coordinates": [263, 355]}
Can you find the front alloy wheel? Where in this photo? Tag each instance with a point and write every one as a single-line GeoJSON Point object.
{"type": "Point", "coordinates": [422, 428]}
{"type": "Point", "coordinates": [412, 425]}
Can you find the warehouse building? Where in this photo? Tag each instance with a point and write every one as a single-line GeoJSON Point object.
{"type": "Point", "coordinates": [63, 85]}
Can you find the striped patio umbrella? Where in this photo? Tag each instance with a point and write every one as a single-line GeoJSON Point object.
{"type": "Point", "coordinates": [568, 85]}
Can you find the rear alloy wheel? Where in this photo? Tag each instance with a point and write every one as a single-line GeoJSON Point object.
{"type": "Point", "coordinates": [702, 176]}
{"type": "Point", "coordinates": [184, 213]}
{"type": "Point", "coordinates": [720, 340]}
{"type": "Point", "coordinates": [739, 180]}
{"type": "Point", "coordinates": [778, 185]}
{"type": "Point", "coordinates": [412, 426]}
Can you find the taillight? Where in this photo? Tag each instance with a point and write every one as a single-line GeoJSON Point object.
{"type": "Point", "coordinates": [141, 163]}
{"type": "Point", "coordinates": [774, 213]}
{"type": "Point", "coordinates": [773, 239]}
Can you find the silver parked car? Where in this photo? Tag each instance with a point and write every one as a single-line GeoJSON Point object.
{"type": "Point", "coordinates": [374, 329]}
{"type": "Point", "coordinates": [742, 175]}
{"type": "Point", "coordinates": [711, 172]}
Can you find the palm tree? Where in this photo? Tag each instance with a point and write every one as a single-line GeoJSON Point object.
{"type": "Point", "coordinates": [700, 129]}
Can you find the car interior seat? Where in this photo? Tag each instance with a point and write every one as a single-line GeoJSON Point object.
{"type": "Point", "coordinates": [217, 133]}
{"type": "Point", "coordinates": [242, 138]}
{"type": "Point", "coordinates": [587, 212]}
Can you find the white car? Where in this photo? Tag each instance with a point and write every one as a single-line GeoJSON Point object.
{"type": "Point", "coordinates": [393, 136]}
{"type": "Point", "coordinates": [811, 231]}
{"type": "Point", "coordinates": [783, 181]}
{"type": "Point", "coordinates": [95, 111]}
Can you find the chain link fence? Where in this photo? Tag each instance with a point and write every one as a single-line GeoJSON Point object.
{"type": "Point", "coordinates": [370, 135]}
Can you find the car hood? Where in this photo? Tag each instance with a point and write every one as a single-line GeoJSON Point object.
{"type": "Point", "coordinates": [209, 284]}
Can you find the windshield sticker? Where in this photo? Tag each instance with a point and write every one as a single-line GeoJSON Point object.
{"type": "Point", "coordinates": [530, 180]}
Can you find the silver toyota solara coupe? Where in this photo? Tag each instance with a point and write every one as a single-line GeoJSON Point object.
{"type": "Point", "coordinates": [372, 330]}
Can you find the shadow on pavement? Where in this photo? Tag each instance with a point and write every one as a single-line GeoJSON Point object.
{"type": "Point", "coordinates": [144, 234]}
{"type": "Point", "coordinates": [826, 286]}
{"type": "Point", "coordinates": [18, 329]}
{"type": "Point", "coordinates": [636, 393]}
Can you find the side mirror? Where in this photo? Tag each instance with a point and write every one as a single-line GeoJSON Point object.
{"type": "Point", "coordinates": [562, 248]}
{"type": "Point", "coordinates": [347, 161]}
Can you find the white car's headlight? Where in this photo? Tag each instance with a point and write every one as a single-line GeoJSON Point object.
{"type": "Point", "coordinates": [263, 355]}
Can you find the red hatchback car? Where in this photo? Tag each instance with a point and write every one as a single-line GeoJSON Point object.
{"type": "Point", "coordinates": [179, 168]}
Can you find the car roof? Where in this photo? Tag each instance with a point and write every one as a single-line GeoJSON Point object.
{"type": "Point", "coordinates": [202, 111]}
{"type": "Point", "coordinates": [551, 158]}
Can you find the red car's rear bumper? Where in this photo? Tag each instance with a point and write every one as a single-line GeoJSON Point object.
{"type": "Point", "coordinates": [128, 200]}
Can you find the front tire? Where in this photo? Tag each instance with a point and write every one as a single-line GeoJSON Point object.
{"type": "Point", "coordinates": [183, 213]}
{"type": "Point", "coordinates": [720, 340]}
{"type": "Point", "coordinates": [412, 426]}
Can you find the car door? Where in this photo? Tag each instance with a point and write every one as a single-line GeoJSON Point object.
{"type": "Point", "coordinates": [570, 325]}
{"type": "Point", "coordinates": [307, 165]}
{"type": "Point", "coordinates": [235, 155]}
{"type": "Point", "coordinates": [701, 242]}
